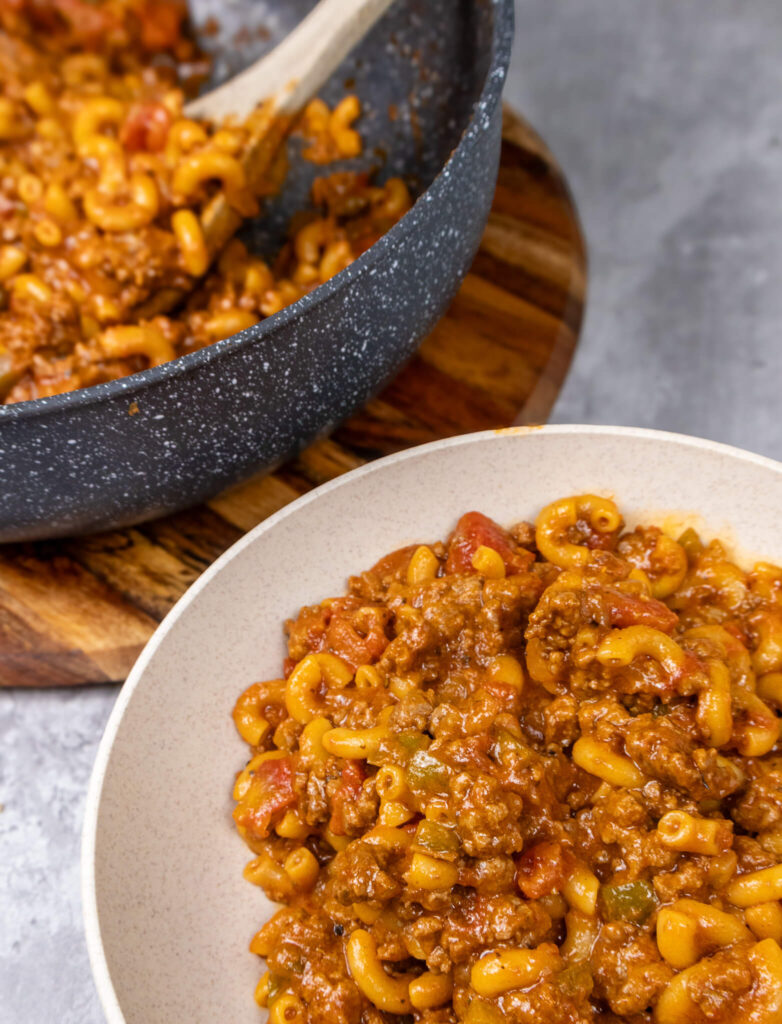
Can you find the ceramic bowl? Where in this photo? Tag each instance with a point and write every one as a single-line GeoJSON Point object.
{"type": "Point", "coordinates": [168, 915]}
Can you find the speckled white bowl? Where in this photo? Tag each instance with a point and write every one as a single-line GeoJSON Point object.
{"type": "Point", "coordinates": [168, 915]}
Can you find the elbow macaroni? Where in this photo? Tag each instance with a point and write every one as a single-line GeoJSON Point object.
{"type": "Point", "coordinates": [383, 991]}
{"type": "Point", "coordinates": [507, 969]}
{"type": "Point", "coordinates": [599, 759]}
{"type": "Point", "coordinates": [681, 831]}
{"type": "Point", "coordinates": [676, 1005]}
{"type": "Point", "coordinates": [115, 193]}
{"type": "Point", "coordinates": [688, 930]}
{"type": "Point", "coordinates": [412, 795]}
{"type": "Point", "coordinates": [622, 646]}
{"type": "Point", "coordinates": [301, 692]}
{"type": "Point", "coordinates": [554, 522]}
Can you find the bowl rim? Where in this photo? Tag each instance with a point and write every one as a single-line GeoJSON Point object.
{"type": "Point", "coordinates": [262, 333]}
{"type": "Point", "coordinates": [100, 970]}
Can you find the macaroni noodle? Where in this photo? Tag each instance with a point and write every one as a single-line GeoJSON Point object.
{"type": "Point", "coordinates": [525, 775]}
{"type": "Point", "coordinates": [112, 193]}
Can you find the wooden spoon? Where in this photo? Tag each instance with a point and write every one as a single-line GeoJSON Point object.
{"type": "Point", "coordinates": [295, 69]}
{"type": "Point", "coordinates": [286, 79]}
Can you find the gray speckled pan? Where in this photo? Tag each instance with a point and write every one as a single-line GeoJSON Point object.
{"type": "Point", "coordinates": [132, 449]}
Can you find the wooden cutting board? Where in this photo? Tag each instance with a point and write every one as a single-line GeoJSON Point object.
{"type": "Point", "coordinates": [80, 610]}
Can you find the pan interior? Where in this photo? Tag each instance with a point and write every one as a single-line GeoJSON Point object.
{"type": "Point", "coordinates": [418, 75]}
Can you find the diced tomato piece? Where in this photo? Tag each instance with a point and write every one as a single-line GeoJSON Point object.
{"type": "Point", "coordinates": [307, 632]}
{"type": "Point", "coordinates": [476, 530]}
{"type": "Point", "coordinates": [357, 639]}
{"type": "Point", "coordinates": [739, 633]}
{"type": "Point", "coordinates": [364, 242]}
{"type": "Point", "coordinates": [270, 793]}
{"type": "Point", "coordinates": [395, 563]}
{"type": "Point", "coordinates": [347, 792]}
{"type": "Point", "coordinates": [161, 23]}
{"type": "Point", "coordinates": [470, 752]}
{"type": "Point", "coordinates": [633, 610]}
{"type": "Point", "coordinates": [145, 128]}
{"type": "Point", "coordinates": [88, 23]}
{"type": "Point", "coordinates": [543, 869]}
{"type": "Point", "coordinates": [345, 626]}
{"type": "Point", "coordinates": [595, 540]}
{"type": "Point", "coordinates": [506, 694]}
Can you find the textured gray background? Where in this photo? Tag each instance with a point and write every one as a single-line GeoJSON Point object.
{"type": "Point", "coordinates": [667, 117]}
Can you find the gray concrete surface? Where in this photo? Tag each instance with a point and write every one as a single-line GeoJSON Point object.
{"type": "Point", "coordinates": [667, 116]}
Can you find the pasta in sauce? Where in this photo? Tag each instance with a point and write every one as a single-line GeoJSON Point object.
{"type": "Point", "coordinates": [524, 775]}
{"type": "Point", "coordinates": [104, 189]}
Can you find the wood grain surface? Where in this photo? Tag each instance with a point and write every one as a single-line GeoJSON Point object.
{"type": "Point", "coordinates": [80, 610]}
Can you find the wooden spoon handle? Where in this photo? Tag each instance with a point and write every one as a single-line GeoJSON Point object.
{"type": "Point", "coordinates": [297, 68]}
{"type": "Point", "coordinates": [286, 78]}
{"type": "Point", "coordinates": [219, 220]}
